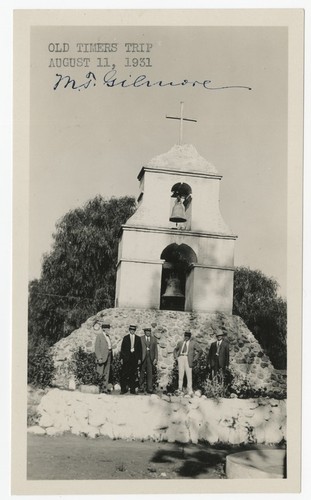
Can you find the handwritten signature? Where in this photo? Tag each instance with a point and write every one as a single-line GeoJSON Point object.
{"type": "Point", "coordinates": [111, 79]}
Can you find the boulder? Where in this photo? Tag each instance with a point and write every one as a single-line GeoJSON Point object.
{"type": "Point", "coordinates": [90, 389]}
{"type": "Point", "coordinates": [45, 420]}
{"type": "Point", "coordinates": [52, 431]}
{"type": "Point", "coordinates": [36, 429]}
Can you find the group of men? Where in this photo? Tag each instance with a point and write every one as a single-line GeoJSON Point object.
{"type": "Point", "coordinates": [141, 353]}
{"type": "Point", "coordinates": [136, 352]}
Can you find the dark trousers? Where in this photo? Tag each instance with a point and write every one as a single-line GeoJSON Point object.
{"type": "Point", "coordinates": [129, 373]}
{"type": "Point", "coordinates": [146, 368]}
{"type": "Point", "coordinates": [217, 373]}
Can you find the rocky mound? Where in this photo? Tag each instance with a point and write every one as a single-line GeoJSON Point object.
{"type": "Point", "coordinates": [246, 355]}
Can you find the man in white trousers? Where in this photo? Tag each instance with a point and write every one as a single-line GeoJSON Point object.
{"type": "Point", "coordinates": [184, 353]}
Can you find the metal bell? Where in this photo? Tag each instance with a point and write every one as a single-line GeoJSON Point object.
{"type": "Point", "coordinates": [178, 212]}
{"type": "Point", "coordinates": [173, 288]}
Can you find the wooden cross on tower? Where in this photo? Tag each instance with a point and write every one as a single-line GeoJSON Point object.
{"type": "Point", "coordinates": [182, 119]}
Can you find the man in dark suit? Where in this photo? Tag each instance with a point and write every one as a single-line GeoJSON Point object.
{"type": "Point", "coordinates": [103, 354]}
{"type": "Point", "coordinates": [184, 354]}
{"type": "Point", "coordinates": [218, 357]}
{"type": "Point", "coordinates": [130, 359]}
{"type": "Point", "coordinates": [149, 359]}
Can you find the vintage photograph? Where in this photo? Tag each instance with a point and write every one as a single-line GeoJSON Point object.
{"type": "Point", "coordinates": [158, 225]}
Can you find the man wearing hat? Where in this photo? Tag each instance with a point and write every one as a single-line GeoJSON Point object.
{"type": "Point", "coordinates": [149, 359]}
{"type": "Point", "coordinates": [184, 353]}
{"type": "Point", "coordinates": [103, 354]}
{"type": "Point", "coordinates": [130, 359]}
{"type": "Point", "coordinates": [218, 356]}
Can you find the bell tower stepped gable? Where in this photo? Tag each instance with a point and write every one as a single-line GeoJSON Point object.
{"type": "Point", "coordinates": [162, 173]}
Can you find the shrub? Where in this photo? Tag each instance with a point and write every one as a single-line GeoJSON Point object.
{"type": "Point", "coordinates": [116, 369]}
{"type": "Point", "coordinates": [234, 385]}
{"type": "Point", "coordinates": [155, 377]}
{"type": "Point", "coordinates": [84, 365]}
{"type": "Point", "coordinates": [41, 367]}
{"type": "Point", "coordinates": [173, 379]}
{"type": "Point", "coordinates": [84, 368]}
{"type": "Point", "coordinates": [213, 388]}
{"type": "Point", "coordinates": [242, 388]}
{"type": "Point", "coordinates": [200, 369]}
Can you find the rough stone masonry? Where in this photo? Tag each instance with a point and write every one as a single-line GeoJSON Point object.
{"type": "Point", "coordinates": [246, 355]}
{"type": "Point", "coordinates": [165, 418]}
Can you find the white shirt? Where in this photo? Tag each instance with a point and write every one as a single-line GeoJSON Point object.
{"type": "Point", "coordinates": [132, 336]}
{"type": "Point", "coordinates": [108, 339]}
{"type": "Point", "coordinates": [182, 349]}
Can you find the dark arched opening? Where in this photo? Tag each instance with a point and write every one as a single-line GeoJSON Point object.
{"type": "Point", "coordinates": [178, 259]}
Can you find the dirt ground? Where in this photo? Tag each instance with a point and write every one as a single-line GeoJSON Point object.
{"type": "Point", "coordinates": [77, 457]}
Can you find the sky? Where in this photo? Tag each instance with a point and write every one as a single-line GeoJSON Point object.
{"type": "Point", "coordinates": [95, 140]}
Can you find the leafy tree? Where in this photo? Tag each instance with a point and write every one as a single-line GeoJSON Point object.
{"type": "Point", "coordinates": [78, 275]}
{"type": "Point", "coordinates": [40, 369]}
{"type": "Point", "coordinates": [256, 301]}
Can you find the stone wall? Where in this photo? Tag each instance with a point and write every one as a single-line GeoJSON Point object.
{"type": "Point", "coordinates": [246, 355]}
{"type": "Point", "coordinates": [231, 421]}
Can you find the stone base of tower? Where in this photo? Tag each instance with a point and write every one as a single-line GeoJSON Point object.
{"type": "Point", "coordinates": [246, 355]}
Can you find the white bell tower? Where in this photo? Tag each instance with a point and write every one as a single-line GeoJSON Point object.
{"type": "Point", "coordinates": [159, 257]}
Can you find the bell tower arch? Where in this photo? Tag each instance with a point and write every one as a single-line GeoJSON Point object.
{"type": "Point", "coordinates": [175, 270]}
